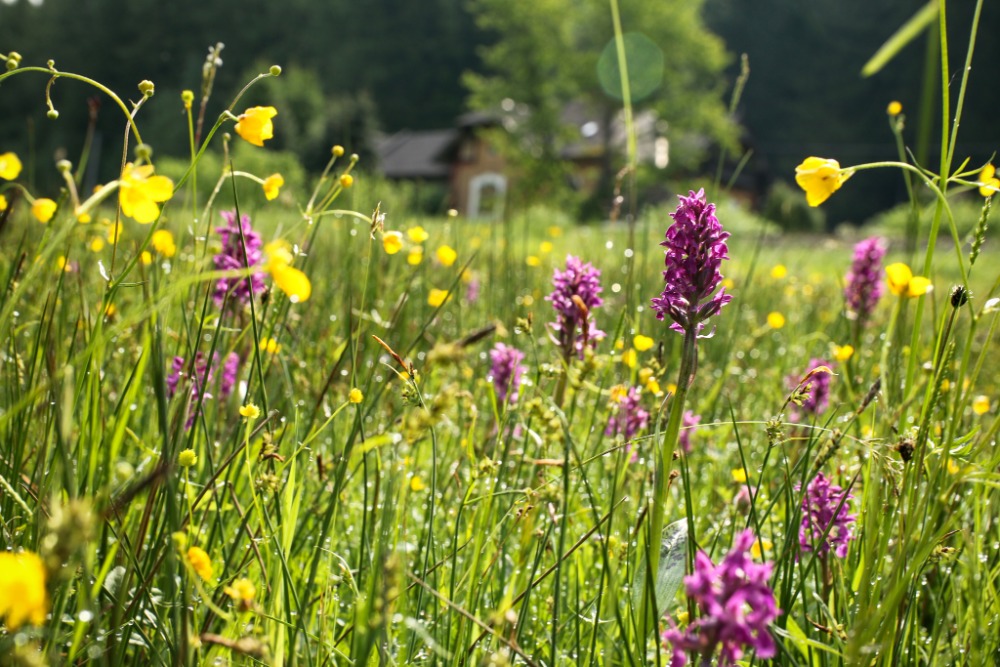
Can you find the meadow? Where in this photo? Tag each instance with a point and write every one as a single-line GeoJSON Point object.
{"type": "Point", "coordinates": [265, 425]}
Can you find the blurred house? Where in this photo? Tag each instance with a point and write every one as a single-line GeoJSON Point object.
{"type": "Point", "coordinates": [475, 176]}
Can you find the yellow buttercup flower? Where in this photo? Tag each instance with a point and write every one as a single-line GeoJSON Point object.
{"type": "Point", "coordinates": [272, 186]}
{"type": "Point", "coordinates": [902, 282]}
{"type": "Point", "coordinates": [289, 280]}
{"type": "Point", "coordinates": [10, 166]}
{"type": "Point", "coordinates": [653, 387]}
{"type": "Point", "coordinates": [820, 178]}
{"type": "Point", "coordinates": [417, 234]}
{"type": "Point", "coordinates": [417, 484]}
{"type": "Point", "coordinates": [989, 183]}
{"type": "Point", "coordinates": [140, 192]}
{"type": "Point", "coordinates": [146, 258]}
{"type": "Point", "coordinates": [740, 475]}
{"type": "Point", "coordinates": [755, 549]}
{"type": "Point", "coordinates": [255, 125]}
{"type": "Point", "coordinates": [775, 320]}
{"type": "Point", "coordinates": [163, 243]}
{"type": "Point", "coordinates": [355, 396]}
{"type": "Point", "coordinates": [392, 242]}
{"type": "Point", "coordinates": [242, 591]}
{"type": "Point", "coordinates": [415, 256]}
{"type": "Point", "coordinates": [200, 562]}
{"type": "Point", "coordinates": [894, 108]}
{"type": "Point", "coordinates": [446, 255]}
{"type": "Point", "coordinates": [642, 343]}
{"type": "Point", "coordinates": [843, 352]}
{"type": "Point", "coordinates": [981, 405]}
{"type": "Point", "coordinates": [779, 271]}
{"type": "Point", "coordinates": [43, 209]}
{"type": "Point", "coordinates": [630, 358]}
{"type": "Point", "coordinates": [270, 345]}
{"type": "Point", "coordinates": [97, 244]}
{"type": "Point", "coordinates": [545, 247]}
{"type": "Point", "coordinates": [249, 411]}
{"type": "Point", "coordinates": [532, 260]}
{"type": "Point", "coordinates": [437, 297]}
{"type": "Point", "coordinates": [23, 597]}
{"type": "Point", "coordinates": [3, 203]}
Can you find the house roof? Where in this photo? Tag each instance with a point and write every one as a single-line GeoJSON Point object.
{"type": "Point", "coordinates": [416, 154]}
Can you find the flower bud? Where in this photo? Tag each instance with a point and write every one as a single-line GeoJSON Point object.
{"type": "Point", "coordinates": [959, 296]}
{"type": "Point", "coordinates": [338, 150]}
{"type": "Point", "coordinates": [64, 166]}
{"type": "Point", "coordinates": [346, 181]}
{"type": "Point", "coordinates": [275, 70]}
{"type": "Point", "coordinates": [187, 97]}
{"type": "Point", "coordinates": [52, 114]}
{"type": "Point", "coordinates": [147, 88]}
{"type": "Point", "coordinates": [143, 152]}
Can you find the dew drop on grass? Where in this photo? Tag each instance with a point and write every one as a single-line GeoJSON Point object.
{"type": "Point", "coordinates": [629, 252]}
{"type": "Point", "coordinates": [616, 288]}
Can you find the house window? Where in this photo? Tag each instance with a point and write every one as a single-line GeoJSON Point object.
{"type": "Point", "coordinates": [487, 193]}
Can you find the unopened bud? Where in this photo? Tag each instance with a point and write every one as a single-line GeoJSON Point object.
{"type": "Point", "coordinates": [338, 150]}
{"type": "Point", "coordinates": [275, 70]}
{"type": "Point", "coordinates": [52, 114]}
{"type": "Point", "coordinates": [147, 88]}
{"type": "Point", "coordinates": [64, 166]}
{"type": "Point", "coordinates": [144, 152]}
{"type": "Point", "coordinates": [959, 296]}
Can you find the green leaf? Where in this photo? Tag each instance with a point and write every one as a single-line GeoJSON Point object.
{"type": "Point", "coordinates": [670, 573]}
{"type": "Point", "coordinates": [798, 638]}
{"type": "Point", "coordinates": [906, 34]}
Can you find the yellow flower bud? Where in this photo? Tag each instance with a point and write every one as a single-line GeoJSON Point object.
{"type": "Point", "coordinates": [187, 458]}
{"type": "Point", "coordinates": [355, 396]}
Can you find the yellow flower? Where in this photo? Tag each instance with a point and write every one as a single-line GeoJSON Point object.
{"type": "Point", "coordinates": [43, 209]}
{"type": "Point", "coordinates": [289, 280]}
{"type": "Point", "coordinates": [843, 352]}
{"type": "Point", "coordinates": [187, 97]}
{"type": "Point", "coordinates": [779, 271]}
{"type": "Point", "coordinates": [436, 297]}
{"type": "Point", "coordinates": [187, 458]}
{"type": "Point", "coordinates": [23, 597]}
{"type": "Point", "coordinates": [642, 343]}
{"type": "Point", "coordinates": [820, 178]}
{"type": "Point", "coordinates": [114, 232]}
{"type": "Point", "coordinates": [355, 396]}
{"type": "Point", "coordinates": [902, 282]}
{"type": "Point", "coordinates": [270, 345]}
{"type": "Point", "coordinates": [554, 231]}
{"type": "Point", "coordinates": [894, 108]}
{"type": "Point", "coordinates": [392, 242]}
{"type": "Point", "coordinates": [532, 260]}
{"type": "Point", "coordinates": [337, 150]}
{"type": "Point", "coordinates": [981, 405]}
{"type": "Point", "coordinates": [417, 484]}
{"type": "Point", "coordinates": [630, 358]}
{"type": "Point", "coordinates": [146, 258]}
{"type": "Point", "coordinates": [618, 393]}
{"type": "Point", "coordinates": [63, 264]}
{"type": "Point", "coordinates": [242, 592]}
{"type": "Point", "coordinates": [272, 186]}
{"type": "Point", "coordinates": [140, 193]}
{"type": "Point", "coordinates": [255, 125]}
{"type": "Point", "coordinates": [775, 320]}
{"type": "Point", "coordinates": [740, 476]}
{"type": "Point", "coordinates": [346, 181]}
{"type": "Point", "coordinates": [83, 218]}
{"type": "Point", "coordinates": [989, 184]}
{"type": "Point", "coordinates": [163, 243]}
{"type": "Point", "coordinates": [3, 203]}
{"type": "Point", "coordinates": [545, 247]}
{"type": "Point", "coordinates": [249, 411]}
{"type": "Point", "coordinates": [728, 283]}
{"type": "Point", "coordinates": [417, 234]}
{"type": "Point", "coordinates": [200, 562]}
{"type": "Point", "coordinates": [953, 468]}
{"type": "Point", "coordinates": [755, 550]}
{"type": "Point", "coordinates": [10, 166]}
{"type": "Point", "coordinates": [97, 244]}
{"type": "Point", "coordinates": [446, 255]}
{"type": "Point", "coordinates": [415, 256]}
{"type": "Point", "coordinates": [653, 387]}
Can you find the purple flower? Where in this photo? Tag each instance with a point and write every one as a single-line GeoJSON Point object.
{"type": "Point", "coordinates": [628, 417]}
{"type": "Point", "coordinates": [736, 607]}
{"type": "Point", "coordinates": [176, 371]}
{"type": "Point", "coordinates": [864, 281]}
{"type": "Point", "coordinates": [824, 507]}
{"type": "Point", "coordinates": [230, 369]}
{"type": "Point", "coordinates": [472, 290]}
{"type": "Point", "coordinates": [696, 246]}
{"type": "Point", "coordinates": [814, 395]}
{"type": "Point", "coordinates": [577, 292]}
{"type": "Point", "coordinates": [688, 423]}
{"type": "Point", "coordinates": [231, 257]}
{"type": "Point", "coordinates": [506, 371]}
